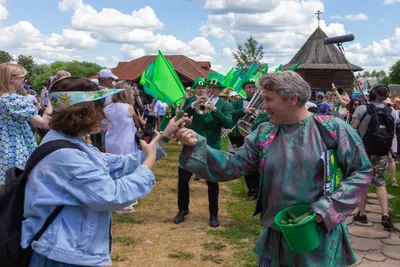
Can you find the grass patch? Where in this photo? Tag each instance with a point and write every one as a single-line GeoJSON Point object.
{"type": "Point", "coordinates": [245, 259]}
{"type": "Point", "coordinates": [214, 258]}
{"type": "Point", "coordinates": [180, 255]}
{"type": "Point", "coordinates": [126, 240]}
{"type": "Point", "coordinates": [394, 204]}
{"type": "Point", "coordinates": [126, 219]}
{"type": "Point", "coordinates": [117, 258]}
{"type": "Point", "coordinates": [214, 246]}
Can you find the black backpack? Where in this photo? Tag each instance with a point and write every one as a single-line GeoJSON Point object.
{"type": "Point", "coordinates": [12, 199]}
{"type": "Point", "coordinates": [379, 135]}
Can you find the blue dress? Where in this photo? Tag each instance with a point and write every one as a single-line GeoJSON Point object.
{"type": "Point", "coordinates": [17, 141]}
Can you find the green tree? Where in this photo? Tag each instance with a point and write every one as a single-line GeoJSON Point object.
{"type": "Point", "coordinates": [40, 73]}
{"type": "Point", "coordinates": [374, 73]}
{"type": "Point", "coordinates": [367, 74]}
{"type": "Point", "coordinates": [381, 74]}
{"type": "Point", "coordinates": [395, 73]}
{"type": "Point", "coordinates": [5, 57]}
{"type": "Point", "coordinates": [27, 62]}
{"type": "Point", "coordinates": [248, 54]}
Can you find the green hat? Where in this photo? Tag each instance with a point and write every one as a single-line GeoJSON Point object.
{"type": "Point", "coordinates": [216, 79]}
{"type": "Point", "coordinates": [250, 79]}
{"type": "Point", "coordinates": [199, 82]}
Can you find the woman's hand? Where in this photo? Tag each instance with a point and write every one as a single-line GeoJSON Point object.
{"type": "Point", "coordinates": [173, 125]}
{"type": "Point", "coordinates": [187, 137]}
{"type": "Point", "coordinates": [150, 150]}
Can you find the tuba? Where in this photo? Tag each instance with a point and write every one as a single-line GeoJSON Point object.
{"type": "Point", "coordinates": [244, 124]}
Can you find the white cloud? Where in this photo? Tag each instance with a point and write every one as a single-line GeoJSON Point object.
{"type": "Point", "coordinates": [360, 16]}
{"type": "Point", "coordinates": [388, 2]}
{"type": "Point", "coordinates": [336, 17]}
{"type": "Point", "coordinates": [115, 59]}
{"type": "Point", "coordinates": [131, 52]}
{"type": "Point", "coordinates": [239, 6]}
{"type": "Point", "coordinates": [101, 59]}
{"type": "Point", "coordinates": [112, 25]}
{"type": "Point", "coordinates": [3, 10]}
{"type": "Point", "coordinates": [226, 51]}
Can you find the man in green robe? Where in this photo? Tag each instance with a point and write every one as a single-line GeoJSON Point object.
{"type": "Point", "coordinates": [209, 125]}
{"type": "Point", "coordinates": [287, 151]}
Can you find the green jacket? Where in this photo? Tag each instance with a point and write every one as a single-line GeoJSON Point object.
{"type": "Point", "coordinates": [263, 117]}
{"type": "Point", "coordinates": [210, 124]}
{"type": "Point", "coordinates": [238, 112]}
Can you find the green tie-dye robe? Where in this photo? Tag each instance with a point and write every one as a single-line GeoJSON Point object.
{"type": "Point", "coordinates": [291, 175]}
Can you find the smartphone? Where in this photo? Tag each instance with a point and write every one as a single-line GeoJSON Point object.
{"type": "Point", "coordinates": [148, 131]}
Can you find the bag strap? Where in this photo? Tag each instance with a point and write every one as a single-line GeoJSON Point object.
{"type": "Point", "coordinates": [37, 155]}
{"type": "Point", "coordinates": [325, 130]}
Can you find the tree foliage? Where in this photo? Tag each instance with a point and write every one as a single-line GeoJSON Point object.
{"type": "Point", "coordinates": [248, 54]}
{"type": "Point", "coordinates": [394, 73]}
{"type": "Point", "coordinates": [40, 73]}
{"type": "Point", "coordinates": [27, 62]}
{"type": "Point", "coordinates": [5, 57]}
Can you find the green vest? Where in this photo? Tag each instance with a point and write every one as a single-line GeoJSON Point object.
{"type": "Point", "coordinates": [210, 124]}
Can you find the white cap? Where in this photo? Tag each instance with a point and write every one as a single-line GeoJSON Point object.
{"type": "Point", "coordinates": [107, 73]}
{"type": "Point", "coordinates": [231, 94]}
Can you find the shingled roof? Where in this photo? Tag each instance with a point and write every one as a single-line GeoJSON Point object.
{"type": "Point", "coordinates": [186, 68]}
{"type": "Point", "coordinates": [314, 54]}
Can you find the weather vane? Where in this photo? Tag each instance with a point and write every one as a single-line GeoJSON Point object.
{"type": "Point", "coordinates": [318, 16]}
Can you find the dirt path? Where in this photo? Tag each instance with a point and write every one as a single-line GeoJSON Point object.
{"type": "Point", "coordinates": [147, 236]}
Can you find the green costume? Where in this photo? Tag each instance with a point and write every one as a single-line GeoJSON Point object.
{"type": "Point", "coordinates": [168, 115]}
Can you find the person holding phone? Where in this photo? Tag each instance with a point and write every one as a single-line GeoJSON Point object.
{"type": "Point", "coordinates": [88, 183]}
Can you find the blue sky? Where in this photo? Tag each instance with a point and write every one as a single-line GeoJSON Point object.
{"type": "Point", "coordinates": [200, 29]}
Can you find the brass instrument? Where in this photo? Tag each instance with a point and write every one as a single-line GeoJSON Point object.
{"type": "Point", "coordinates": [203, 107]}
{"type": "Point", "coordinates": [244, 124]}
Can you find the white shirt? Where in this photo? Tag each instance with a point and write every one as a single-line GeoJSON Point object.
{"type": "Point", "coordinates": [160, 108]}
{"type": "Point", "coordinates": [32, 99]}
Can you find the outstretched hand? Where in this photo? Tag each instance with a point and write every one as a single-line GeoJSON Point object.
{"type": "Point", "coordinates": [173, 125]}
{"type": "Point", "coordinates": [187, 137]}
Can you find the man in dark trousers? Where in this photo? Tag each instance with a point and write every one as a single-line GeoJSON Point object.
{"type": "Point", "coordinates": [241, 109]}
{"type": "Point", "coordinates": [209, 125]}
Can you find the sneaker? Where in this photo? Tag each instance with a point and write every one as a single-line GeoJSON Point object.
{"type": "Point", "coordinates": [197, 178]}
{"type": "Point", "coordinates": [386, 223]}
{"type": "Point", "coordinates": [360, 218]}
{"type": "Point", "coordinates": [125, 210]}
{"type": "Point", "coordinates": [395, 185]}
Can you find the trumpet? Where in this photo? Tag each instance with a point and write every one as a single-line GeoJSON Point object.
{"type": "Point", "coordinates": [203, 107]}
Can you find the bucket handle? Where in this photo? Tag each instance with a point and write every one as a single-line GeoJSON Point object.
{"type": "Point", "coordinates": [311, 221]}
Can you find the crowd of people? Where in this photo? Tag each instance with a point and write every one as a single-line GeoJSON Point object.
{"type": "Point", "coordinates": [110, 170]}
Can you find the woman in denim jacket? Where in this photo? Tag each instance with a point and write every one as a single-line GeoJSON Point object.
{"type": "Point", "coordinates": [90, 184]}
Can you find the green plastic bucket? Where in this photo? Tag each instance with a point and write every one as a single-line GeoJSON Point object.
{"type": "Point", "coordinates": [301, 237]}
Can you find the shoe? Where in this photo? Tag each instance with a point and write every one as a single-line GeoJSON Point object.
{"type": "Point", "coordinates": [214, 221]}
{"type": "Point", "coordinates": [395, 185]}
{"type": "Point", "coordinates": [197, 178]}
{"type": "Point", "coordinates": [386, 223]}
{"type": "Point", "coordinates": [125, 210]}
{"type": "Point", "coordinates": [360, 218]}
{"type": "Point", "coordinates": [252, 197]}
{"type": "Point", "coordinates": [135, 203]}
{"type": "Point", "coordinates": [180, 216]}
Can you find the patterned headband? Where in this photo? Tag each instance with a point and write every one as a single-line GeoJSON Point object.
{"type": "Point", "coordinates": [63, 100]}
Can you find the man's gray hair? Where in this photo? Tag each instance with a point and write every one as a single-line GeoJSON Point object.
{"type": "Point", "coordinates": [286, 84]}
{"type": "Point", "coordinates": [62, 74]}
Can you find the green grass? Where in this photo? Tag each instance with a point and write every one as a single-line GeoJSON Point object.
{"type": "Point", "coordinates": [126, 219]}
{"type": "Point", "coordinates": [214, 246]}
{"type": "Point", "coordinates": [180, 255]}
{"type": "Point", "coordinates": [394, 204]}
{"type": "Point", "coordinates": [126, 240]}
{"type": "Point", "coordinates": [214, 258]}
{"type": "Point", "coordinates": [117, 258]}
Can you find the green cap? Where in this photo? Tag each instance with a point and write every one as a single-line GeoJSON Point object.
{"type": "Point", "coordinates": [199, 82]}
{"type": "Point", "coordinates": [250, 79]}
{"type": "Point", "coordinates": [216, 79]}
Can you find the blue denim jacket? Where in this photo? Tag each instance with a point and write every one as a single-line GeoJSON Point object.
{"type": "Point", "coordinates": [90, 184]}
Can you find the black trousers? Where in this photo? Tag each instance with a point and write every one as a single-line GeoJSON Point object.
{"type": "Point", "coordinates": [253, 178]}
{"type": "Point", "coordinates": [183, 192]}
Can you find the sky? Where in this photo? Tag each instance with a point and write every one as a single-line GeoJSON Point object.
{"type": "Point", "coordinates": [110, 31]}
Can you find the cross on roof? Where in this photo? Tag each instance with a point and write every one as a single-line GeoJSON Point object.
{"type": "Point", "coordinates": [318, 16]}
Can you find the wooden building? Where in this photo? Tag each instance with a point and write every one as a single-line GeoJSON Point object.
{"type": "Point", "coordinates": [321, 65]}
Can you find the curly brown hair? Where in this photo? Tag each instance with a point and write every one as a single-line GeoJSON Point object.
{"type": "Point", "coordinates": [78, 119]}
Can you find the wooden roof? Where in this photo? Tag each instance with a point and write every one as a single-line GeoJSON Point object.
{"type": "Point", "coordinates": [185, 67]}
{"type": "Point", "coordinates": [314, 54]}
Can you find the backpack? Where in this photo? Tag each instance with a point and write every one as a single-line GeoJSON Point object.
{"type": "Point", "coordinates": [12, 199]}
{"type": "Point", "coordinates": [379, 135]}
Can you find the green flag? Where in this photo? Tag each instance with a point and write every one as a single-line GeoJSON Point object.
{"type": "Point", "coordinates": [228, 77]}
{"type": "Point", "coordinates": [263, 70]}
{"type": "Point", "coordinates": [252, 70]}
{"type": "Point", "coordinates": [278, 69]}
{"type": "Point", "coordinates": [167, 81]}
{"type": "Point", "coordinates": [147, 81]}
{"type": "Point", "coordinates": [295, 67]}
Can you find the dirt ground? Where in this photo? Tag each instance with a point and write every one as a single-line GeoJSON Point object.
{"type": "Point", "coordinates": [149, 235]}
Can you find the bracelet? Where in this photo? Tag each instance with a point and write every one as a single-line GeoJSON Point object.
{"type": "Point", "coordinates": [164, 139]}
